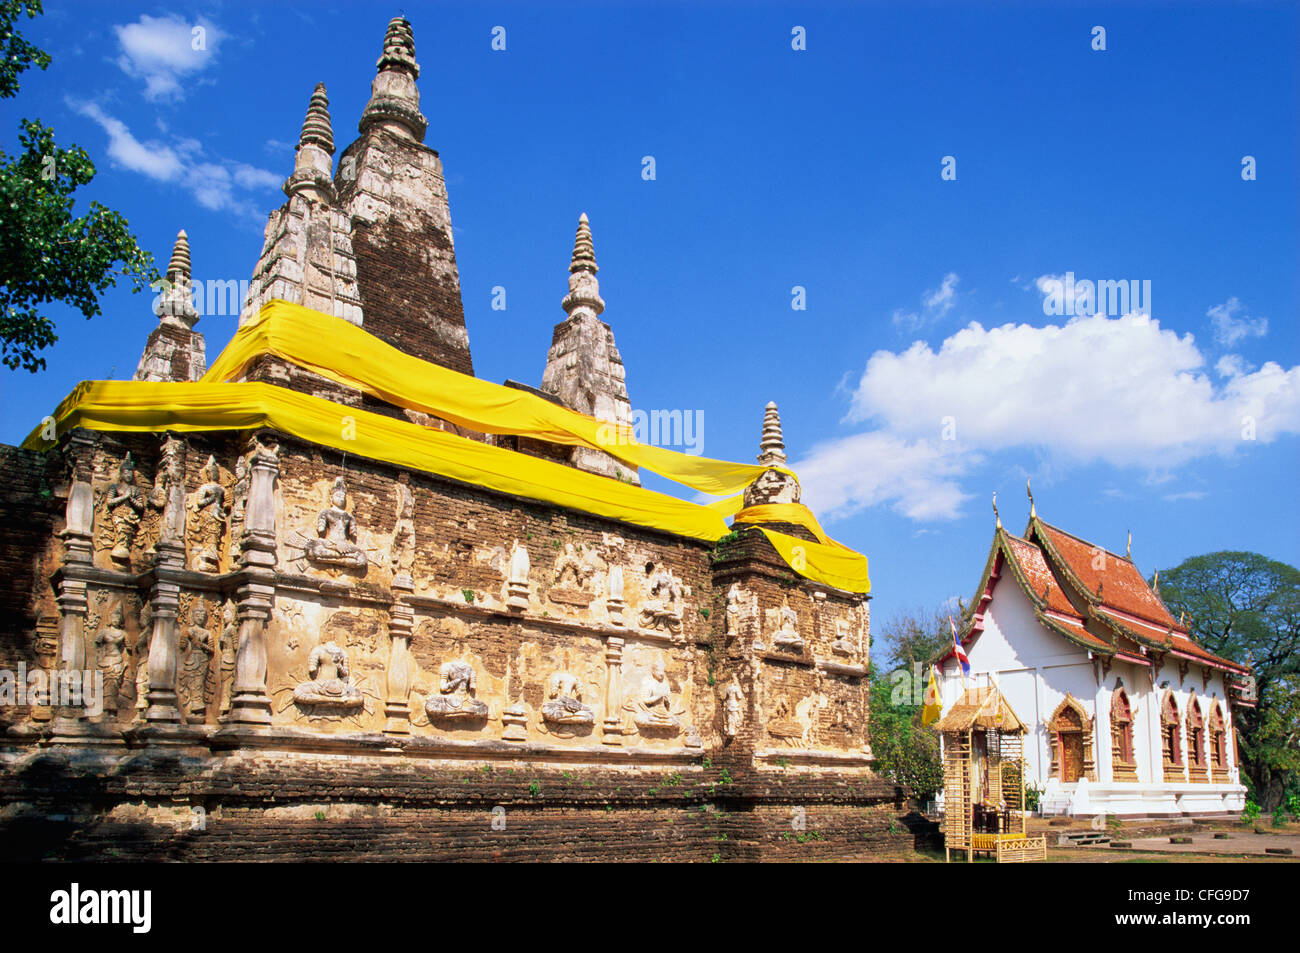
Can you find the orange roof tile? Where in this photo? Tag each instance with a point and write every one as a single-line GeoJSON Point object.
{"type": "Point", "coordinates": [1111, 580]}
{"type": "Point", "coordinates": [1033, 567]}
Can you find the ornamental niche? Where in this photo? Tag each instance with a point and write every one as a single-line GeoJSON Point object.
{"type": "Point", "coordinates": [328, 690]}
{"type": "Point", "coordinates": [652, 709]}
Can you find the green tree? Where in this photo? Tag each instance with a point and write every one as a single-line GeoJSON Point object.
{"type": "Point", "coordinates": [906, 751]}
{"type": "Point", "coordinates": [1246, 607]}
{"type": "Point", "coordinates": [47, 254]}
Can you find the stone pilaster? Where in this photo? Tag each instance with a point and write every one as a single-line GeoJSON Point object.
{"type": "Point", "coordinates": [256, 596]}
{"type": "Point", "coordinates": [70, 587]}
{"type": "Point", "coordinates": [164, 600]}
{"type": "Point", "coordinates": [401, 619]}
{"type": "Point", "coordinates": [612, 727]}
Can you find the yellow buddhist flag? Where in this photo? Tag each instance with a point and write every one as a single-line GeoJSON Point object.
{"type": "Point", "coordinates": [930, 714]}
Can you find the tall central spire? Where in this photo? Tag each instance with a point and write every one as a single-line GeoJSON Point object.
{"type": "Point", "coordinates": [394, 99]}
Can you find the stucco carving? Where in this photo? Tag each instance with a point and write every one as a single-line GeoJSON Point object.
{"type": "Point", "coordinates": [328, 688]}
{"type": "Point", "coordinates": [122, 506]}
{"type": "Point", "coordinates": [208, 525]}
{"type": "Point", "coordinates": [564, 707]}
{"type": "Point", "coordinates": [455, 700]}
{"type": "Point", "coordinates": [663, 610]}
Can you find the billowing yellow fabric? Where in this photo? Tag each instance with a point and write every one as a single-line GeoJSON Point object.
{"type": "Point", "coordinates": [142, 406]}
{"type": "Point", "coordinates": [346, 354]}
{"type": "Point", "coordinates": [836, 564]}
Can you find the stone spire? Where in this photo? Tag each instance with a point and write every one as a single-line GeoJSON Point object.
{"type": "Point", "coordinates": [584, 289]}
{"type": "Point", "coordinates": [174, 350]}
{"type": "Point", "coordinates": [393, 195]}
{"type": "Point", "coordinates": [772, 486]}
{"type": "Point", "coordinates": [771, 448]}
{"type": "Point", "coordinates": [179, 266]}
{"type": "Point", "coordinates": [394, 99]}
{"type": "Point", "coordinates": [307, 256]}
{"type": "Point", "coordinates": [174, 305]}
{"type": "Point", "coordinates": [583, 367]}
{"type": "Point", "coordinates": [313, 165]}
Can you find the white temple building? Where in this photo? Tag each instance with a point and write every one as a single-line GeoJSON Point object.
{"type": "Point", "coordinates": [1127, 714]}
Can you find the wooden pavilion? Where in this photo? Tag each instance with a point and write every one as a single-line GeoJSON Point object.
{"type": "Point", "coordinates": [984, 780]}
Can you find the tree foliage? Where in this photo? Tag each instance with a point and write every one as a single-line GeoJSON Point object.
{"type": "Point", "coordinates": [1246, 607]}
{"type": "Point", "coordinates": [47, 254]}
{"type": "Point", "coordinates": [907, 752]}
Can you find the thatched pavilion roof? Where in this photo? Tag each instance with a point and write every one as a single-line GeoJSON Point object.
{"type": "Point", "coordinates": [982, 707]}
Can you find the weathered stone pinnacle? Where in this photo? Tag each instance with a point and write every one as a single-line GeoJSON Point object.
{"type": "Point", "coordinates": [174, 306]}
{"type": "Point", "coordinates": [312, 164]}
{"type": "Point", "coordinates": [394, 99]}
{"type": "Point", "coordinates": [584, 289]}
{"type": "Point", "coordinates": [316, 127]}
{"type": "Point", "coordinates": [180, 263]}
{"type": "Point", "coordinates": [584, 251]}
{"type": "Point", "coordinates": [174, 350]}
{"type": "Point", "coordinates": [771, 448]}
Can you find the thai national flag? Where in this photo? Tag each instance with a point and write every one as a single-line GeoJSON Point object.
{"type": "Point", "coordinates": [957, 650]}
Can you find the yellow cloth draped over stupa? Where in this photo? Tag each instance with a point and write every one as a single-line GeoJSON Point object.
{"type": "Point", "coordinates": [345, 353]}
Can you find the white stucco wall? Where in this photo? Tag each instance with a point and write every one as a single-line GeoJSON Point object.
{"type": "Point", "coordinates": [1035, 668]}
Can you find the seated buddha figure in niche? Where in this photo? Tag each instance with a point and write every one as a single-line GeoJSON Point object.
{"type": "Point", "coordinates": [455, 699]}
{"type": "Point", "coordinates": [564, 702]}
{"type": "Point", "coordinates": [337, 532]}
{"type": "Point", "coordinates": [328, 682]}
{"type": "Point", "coordinates": [654, 709]}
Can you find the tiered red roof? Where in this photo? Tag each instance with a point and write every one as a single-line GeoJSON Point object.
{"type": "Point", "coordinates": [1092, 597]}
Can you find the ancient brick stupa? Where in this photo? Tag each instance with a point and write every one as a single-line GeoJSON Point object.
{"type": "Point", "coordinates": [336, 567]}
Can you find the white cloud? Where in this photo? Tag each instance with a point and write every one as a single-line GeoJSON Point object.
{"type": "Point", "coordinates": [917, 478]}
{"type": "Point", "coordinates": [940, 300]}
{"type": "Point", "coordinates": [1232, 365]}
{"type": "Point", "coordinates": [213, 184]}
{"type": "Point", "coordinates": [150, 158]}
{"type": "Point", "coordinates": [935, 303]}
{"type": "Point", "coordinates": [164, 50]}
{"type": "Point", "coordinates": [1117, 390]}
{"type": "Point", "coordinates": [1229, 329]}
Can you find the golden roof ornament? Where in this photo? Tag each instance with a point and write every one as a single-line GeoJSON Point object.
{"type": "Point", "coordinates": [1128, 547]}
{"type": "Point", "coordinates": [1033, 512]}
{"type": "Point", "coordinates": [997, 518]}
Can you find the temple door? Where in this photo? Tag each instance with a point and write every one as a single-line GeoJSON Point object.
{"type": "Point", "coordinates": [1071, 756]}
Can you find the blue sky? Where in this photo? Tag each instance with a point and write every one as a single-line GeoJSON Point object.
{"type": "Point", "coordinates": [778, 168]}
